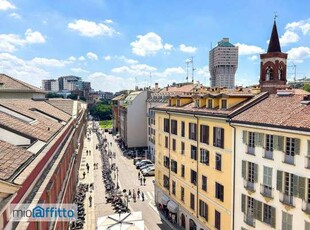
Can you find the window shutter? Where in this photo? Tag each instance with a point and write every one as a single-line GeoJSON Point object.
{"type": "Point", "coordinates": [207, 134]}
{"type": "Point", "coordinates": [222, 138]}
{"type": "Point", "coordinates": [279, 180]}
{"type": "Point", "coordinates": [201, 134]}
{"type": "Point", "coordinates": [245, 137]}
{"type": "Point", "coordinates": [214, 136]}
{"type": "Point", "coordinates": [308, 148]}
{"type": "Point", "coordinates": [258, 210]}
{"type": "Point", "coordinates": [297, 146]}
{"type": "Point", "coordinates": [256, 139]}
{"type": "Point", "coordinates": [200, 207]}
{"type": "Point", "coordinates": [275, 142]}
{"type": "Point", "coordinates": [302, 187]}
{"type": "Point", "coordinates": [256, 172]}
{"type": "Point", "coordinates": [207, 212]}
{"type": "Point", "coordinates": [295, 185]}
{"type": "Point", "coordinates": [244, 169]}
{"type": "Point", "coordinates": [243, 197]}
{"type": "Point", "coordinates": [280, 143]}
{"type": "Point", "coordinates": [273, 217]}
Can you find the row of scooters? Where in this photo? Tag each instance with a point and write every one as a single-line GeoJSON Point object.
{"type": "Point", "coordinates": [79, 201]}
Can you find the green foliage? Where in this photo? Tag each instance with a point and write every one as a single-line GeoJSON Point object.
{"type": "Point", "coordinates": [72, 96]}
{"type": "Point", "coordinates": [53, 95]}
{"type": "Point", "coordinates": [101, 111]}
{"type": "Point", "coordinates": [306, 87]}
{"type": "Point", "coordinates": [107, 124]}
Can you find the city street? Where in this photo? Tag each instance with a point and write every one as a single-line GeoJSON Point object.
{"type": "Point", "coordinates": [127, 178]}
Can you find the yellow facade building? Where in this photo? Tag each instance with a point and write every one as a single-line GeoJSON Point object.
{"type": "Point", "coordinates": [194, 158]}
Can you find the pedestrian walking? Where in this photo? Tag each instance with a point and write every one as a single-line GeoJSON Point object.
{"type": "Point", "coordinates": [134, 195]}
{"type": "Point", "coordinates": [87, 167]}
{"type": "Point", "coordinates": [141, 180]}
{"type": "Point", "coordinates": [84, 174]}
{"type": "Point", "coordinates": [94, 166]}
{"type": "Point", "coordinates": [139, 175]}
{"type": "Point", "coordinates": [89, 152]}
{"type": "Point", "coordinates": [138, 193]}
{"type": "Point", "coordinates": [142, 196]}
{"type": "Point", "coordinates": [86, 152]}
{"type": "Point", "coordinates": [144, 179]}
{"type": "Point", "coordinates": [90, 200]}
{"type": "Point", "coordinates": [129, 193]}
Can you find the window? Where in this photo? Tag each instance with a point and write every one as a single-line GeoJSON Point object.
{"type": "Point", "coordinates": [251, 143]}
{"type": "Point", "coordinates": [292, 148]}
{"type": "Point", "coordinates": [287, 221]}
{"type": "Point", "coordinates": [182, 148]}
{"type": "Point", "coordinates": [193, 177]}
{"type": "Point", "coordinates": [269, 147]}
{"type": "Point", "coordinates": [166, 162]}
{"type": "Point", "coordinates": [166, 182]}
{"type": "Point", "coordinates": [249, 174]}
{"type": "Point", "coordinates": [182, 194]}
{"type": "Point", "coordinates": [174, 166]}
{"type": "Point", "coordinates": [209, 103]}
{"type": "Point", "coordinates": [218, 137]}
{"type": "Point", "coordinates": [218, 162]}
{"type": "Point", "coordinates": [182, 171]}
{"type": "Point", "coordinates": [166, 142]}
{"type": "Point", "coordinates": [204, 156]}
{"type": "Point", "coordinates": [219, 191]}
{"type": "Point", "coordinates": [166, 125]}
{"type": "Point", "coordinates": [217, 220]}
{"type": "Point", "coordinates": [183, 129]}
{"type": "Point", "coordinates": [174, 144]}
{"type": "Point", "coordinates": [173, 187]}
{"type": "Point", "coordinates": [192, 201]}
{"type": "Point", "coordinates": [203, 210]}
{"type": "Point", "coordinates": [224, 103]}
{"type": "Point", "coordinates": [192, 132]}
{"type": "Point", "coordinates": [204, 134]}
{"type": "Point", "coordinates": [174, 127]}
{"type": "Point", "coordinates": [249, 212]}
{"type": "Point", "coordinates": [288, 188]}
{"type": "Point", "coordinates": [267, 214]}
{"type": "Point", "coordinates": [267, 182]}
{"type": "Point", "coordinates": [204, 183]}
{"type": "Point", "coordinates": [193, 152]}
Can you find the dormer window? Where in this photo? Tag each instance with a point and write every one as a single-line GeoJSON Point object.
{"type": "Point", "coordinates": [170, 102]}
{"type": "Point", "coordinates": [209, 103]}
{"type": "Point", "coordinates": [178, 102]}
{"type": "Point", "coordinates": [224, 104]}
{"type": "Point", "coordinates": [196, 103]}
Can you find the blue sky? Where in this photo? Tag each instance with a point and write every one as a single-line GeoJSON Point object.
{"type": "Point", "coordinates": [116, 44]}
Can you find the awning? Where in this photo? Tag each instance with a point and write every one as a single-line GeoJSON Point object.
{"type": "Point", "coordinates": [164, 200]}
{"type": "Point", "coordinates": [172, 207]}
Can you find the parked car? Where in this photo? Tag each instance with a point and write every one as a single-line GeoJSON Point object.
{"type": "Point", "coordinates": [140, 162]}
{"type": "Point", "coordinates": [149, 172]}
{"type": "Point", "coordinates": [137, 159]}
{"type": "Point", "coordinates": [143, 162]}
{"type": "Point", "coordinates": [146, 166]}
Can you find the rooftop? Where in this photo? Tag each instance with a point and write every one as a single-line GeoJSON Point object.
{"type": "Point", "coordinates": [8, 83]}
{"type": "Point", "coordinates": [66, 105]}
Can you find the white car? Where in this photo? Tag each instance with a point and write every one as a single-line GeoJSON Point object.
{"type": "Point", "coordinates": [149, 172]}
{"type": "Point", "coordinates": [143, 162]}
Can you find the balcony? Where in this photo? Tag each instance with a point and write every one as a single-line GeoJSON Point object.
{"type": "Point", "coordinates": [251, 150]}
{"type": "Point", "coordinates": [287, 199]}
{"type": "Point", "coordinates": [306, 206]}
{"type": "Point", "coordinates": [248, 185]}
{"type": "Point", "coordinates": [268, 154]}
{"type": "Point", "coordinates": [249, 219]}
{"type": "Point", "coordinates": [288, 159]}
{"type": "Point", "coordinates": [266, 191]}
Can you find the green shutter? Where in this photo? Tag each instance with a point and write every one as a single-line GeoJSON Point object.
{"type": "Point", "coordinates": [256, 172]}
{"type": "Point", "coordinates": [258, 210]}
{"type": "Point", "coordinates": [273, 217]}
{"type": "Point", "coordinates": [259, 139]}
{"type": "Point", "coordinates": [308, 148]}
{"type": "Point", "coordinates": [297, 146]}
{"type": "Point", "coordinates": [302, 187]}
{"type": "Point", "coordinates": [295, 185]}
{"type": "Point", "coordinates": [279, 180]}
{"type": "Point", "coordinates": [280, 143]}
{"type": "Point", "coordinates": [245, 137]}
{"type": "Point", "coordinates": [243, 197]}
{"type": "Point", "coordinates": [244, 169]}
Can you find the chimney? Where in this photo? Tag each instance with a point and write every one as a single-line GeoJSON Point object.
{"type": "Point", "coordinates": [156, 86]}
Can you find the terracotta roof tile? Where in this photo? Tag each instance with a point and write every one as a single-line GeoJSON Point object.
{"type": "Point", "coordinates": [11, 158]}
{"type": "Point", "coordinates": [65, 105]}
{"type": "Point", "coordinates": [8, 82]}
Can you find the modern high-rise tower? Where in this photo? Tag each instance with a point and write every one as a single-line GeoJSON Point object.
{"type": "Point", "coordinates": [223, 63]}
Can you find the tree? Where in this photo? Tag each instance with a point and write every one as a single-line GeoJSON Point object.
{"type": "Point", "coordinates": [101, 111]}
{"type": "Point", "coordinates": [53, 95]}
{"type": "Point", "coordinates": [72, 96]}
{"type": "Point", "coordinates": [306, 87]}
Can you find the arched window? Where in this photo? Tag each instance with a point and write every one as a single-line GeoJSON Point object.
{"type": "Point", "coordinates": [269, 73]}
{"type": "Point", "coordinates": [280, 73]}
{"type": "Point", "coordinates": [192, 225]}
{"type": "Point", "coordinates": [183, 222]}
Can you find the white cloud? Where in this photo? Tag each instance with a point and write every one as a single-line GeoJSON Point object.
{"type": "Point", "coordinates": [92, 56]}
{"type": "Point", "coordinates": [249, 49]}
{"type": "Point", "coordinates": [5, 5]}
{"type": "Point", "coordinates": [91, 29]}
{"type": "Point", "coordinates": [23, 70]}
{"type": "Point", "coordinates": [81, 58]}
{"type": "Point", "coordinates": [147, 44]}
{"type": "Point", "coordinates": [170, 71]}
{"type": "Point", "coordinates": [15, 15]}
{"type": "Point", "coordinates": [135, 70]}
{"type": "Point", "coordinates": [168, 46]}
{"type": "Point", "coordinates": [288, 37]}
{"type": "Point", "coordinates": [48, 62]}
{"type": "Point", "coordinates": [72, 58]}
{"type": "Point", "coordinates": [108, 21]}
{"type": "Point", "coordinates": [203, 72]}
{"type": "Point", "coordinates": [187, 49]}
{"type": "Point", "coordinates": [303, 25]}
{"type": "Point", "coordinates": [127, 60]}
{"type": "Point", "coordinates": [9, 42]}
{"type": "Point", "coordinates": [108, 57]}
{"type": "Point", "coordinates": [79, 70]}
{"type": "Point", "coordinates": [299, 54]}
{"type": "Point", "coordinates": [253, 58]}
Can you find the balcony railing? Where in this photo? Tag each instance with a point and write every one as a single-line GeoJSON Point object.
{"type": "Point", "coordinates": [268, 154]}
{"type": "Point", "coordinates": [266, 191]}
{"type": "Point", "coordinates": [287, 199]}
{"type": "Point", "coordinates": [249, 219]}
{"type": "Point", "coordinates": [249, 185]}
{"type": "Point", "coordinates": [251, 150]}
{"type": "Point", "coordinates": [306, 206]}
{"type": "Point", "coordinates": [288, 159]}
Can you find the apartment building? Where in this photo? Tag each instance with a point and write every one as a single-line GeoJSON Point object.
{"type": "Point", "coordinates": [194, 156]}
{"type": "Point", "coordinates": [116, 103]}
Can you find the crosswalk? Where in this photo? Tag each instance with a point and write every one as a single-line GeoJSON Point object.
{"type": "Point", "coordinates": [147, 196]}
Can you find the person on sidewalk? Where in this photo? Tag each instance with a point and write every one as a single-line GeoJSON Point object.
{"type": "Point", "coordinates": [139, 175]}
{"type": "Point", "coordinates": [144, 180]}
{"type": "Point", "coordinates": [89, 152]}
{"type": "Point", "coordinates": [134, 195]}
{"type": "Point", "coordinates": [86, 152]}
{"type": "Point", "coordinates": [84, 174]}
{"type": "Point", "coordinates": [87, 167]}
{"type": "Point", "coordinates": [129, 193]}
{"type": "Point", "coordinates": [90, 200]}
{"type": "Point", "coordinates": [138, 193]}
{"type": "Point", "coordinates": [141, 180]}
{"type": "Point", "coordinates": [142, 196]}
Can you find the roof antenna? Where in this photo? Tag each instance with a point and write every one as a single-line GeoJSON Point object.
{"type": "Point", "coordinates": [193, 69]}
{"type": "Point", "coordinates": [187, 62]}
{"type": "Point", "coordinates": [275, 15]}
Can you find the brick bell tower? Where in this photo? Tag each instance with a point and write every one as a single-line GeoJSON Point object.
{"type": "Point", "coordinates": [273, 65]}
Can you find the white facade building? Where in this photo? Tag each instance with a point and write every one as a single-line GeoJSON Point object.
{"type": "Point", "coordinates": [223, 64]}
